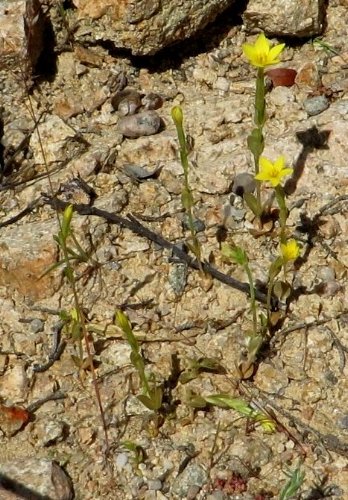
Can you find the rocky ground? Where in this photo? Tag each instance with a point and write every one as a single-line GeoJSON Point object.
{"type": "Point", "coordinates": [301, 377]}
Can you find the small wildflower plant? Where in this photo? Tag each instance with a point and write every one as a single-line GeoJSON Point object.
{"type": "Point", "coordinates": [259, 55]}
{"type": "Point", "coordinates": [186, 195]}
{"type": "Point", "coordinates": [268, 174]}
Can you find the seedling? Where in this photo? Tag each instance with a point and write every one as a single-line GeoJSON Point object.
{"type": "Point", "coordinates": [239, 405]}
{"type": "Point", "coordinates": [152, 392]}
{"type": "Point", "coordinates": [186, 195]}
{"type": "Point", "coordinates": [292, 487]}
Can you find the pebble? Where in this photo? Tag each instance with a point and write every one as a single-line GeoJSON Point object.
{"type": "Point", "coordinates": [126, 102]}
{"type": "Point", "coordinates": [177, 278]}
{"type": "Point", "coordinates": [144, 123]}
{"type": "Point", "coordinates": [316, 105]}
{"type": "Point", "coordinates": [121, 461]}
{"type": "Point", "coordinates": [243, 183]}
{"type": "Point", "coordinates": [152, 101]}
{"type": "Point", "coordinates": [37, 325]}
{"type": "Point", "coordinates": [51, 432]}
{"type": "Point", "coordinates": [192, 478]}
{"type": "Point", "coordinates": [154, 484]}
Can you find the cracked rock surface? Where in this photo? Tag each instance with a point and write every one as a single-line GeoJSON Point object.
{"type": "Point", "coordinates": [50, 426]}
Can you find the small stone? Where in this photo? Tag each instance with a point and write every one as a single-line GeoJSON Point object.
{"type": "Point", "coordinates": [193, 477]}
{"type": "Point", "coordinates": [177, 278]}
{"type": "Point", "coordinates": [126, 102]}
{"type": "Point", "coordinates": [37, 325]}
{"type": "Point", "coordinates": [152, 101]}
{"type": "Point", "coordinates": [121, 461]}
{"type": "Point", "coordinates": [316, 105]}
{"type": "Point", "coordinates": [50, 432]}
{"type": "Point", "coordinates": [154, 484]}
{"type": "Point", "coordinates": [326, 273]}
{"type": "Point", "coordinates": [14, 383]}
{"type": "Point", "coordinates": [243, 183]}
{"type": "Point", "coordinates": [145, 123]}
{"type": "Point", "coordinates": [308, 76]}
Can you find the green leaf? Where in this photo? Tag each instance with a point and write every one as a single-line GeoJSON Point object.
{"type": "Point", "coordinates": [243, 408]}
{"type": "Point", "coordinates": [293, 485]}
{"type": "Point", "coordinates": [66, 221]}
{"type": "Point", "coordinates": [139, 452]}
{"type": "Point", "coordinates": [186, 199]}
{"type": "Point", "coordinates": [236, 254]}
{"type": "Point", "coordinates": [226, 401]}
{"type": "Point", "coordinates": [154, 400]}
{"type": "Point", "coordinates": [123, 322]}
{"type": "Point", "coordinates": [188, 375]}
{"type": "Point", "coordinates": [146, 401]}
{"type": "Point", "coordinates": [253, 204]}
{"type": "Point", "coordinates": [254, 343]}
{"type": "Point", "coordinates": [256, 142]}
{"type": "Point", "coordinates": [69, 274]}
{"type": "Point", "coordinates": [156, 395]}
{"type": "Point", "coordinates": [196, 401]}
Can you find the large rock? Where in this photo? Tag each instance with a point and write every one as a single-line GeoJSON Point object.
{"type": "Point", "coordinates": [22, 25]}
{"type": "Point", "coordinates": [145, 26]}
{"type": "Point", "coordinates": [296, 18]}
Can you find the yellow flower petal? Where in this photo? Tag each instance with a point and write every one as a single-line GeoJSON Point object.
{"type": "Point", "coordinates": [248, 50]}
{"type": "Point", "coordinates": [272, 172]}
{"type": "Point", "coordinates": [261, 54]}
{"type": "Point", "coordinates": [265, 163]}
{"type": "Point", "coordinates": [276, 51]}
{"type": "Point", "coordinates": [280, 162]}
{"type": "Point", "coordinates": [290, 250]}
{"type": "Point", "coordinates": [262, 44]}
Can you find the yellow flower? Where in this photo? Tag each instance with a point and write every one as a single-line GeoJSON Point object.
{"type": "Point", "coordinates": [261, 54]}
{"type": "Point", "coordinates": [290, 250]}
{"type": "Point", "coordinates": [272, 172]}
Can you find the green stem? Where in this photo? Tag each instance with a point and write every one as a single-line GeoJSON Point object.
{"type": "Point", "coordinates": [187, 193]}
{"type": "Point", "coordinates": [259, 119]}
{"type": "Point", "coordinates": [283, 212]}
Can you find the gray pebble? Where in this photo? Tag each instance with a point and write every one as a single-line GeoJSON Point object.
{"type": "Point", "coordinates": [121, 460]}
{"type": "Point", "coordinates": [192, 478]}
{"type": "Point", "coordinates": [243, 183]}
{"type": "Point", "coordinates": [316, 105]}
{"type": "Point", "coordinates": [126, 102]}
{"type": "Point", "coordinates": [178, 278]}
{"type": "Point", "coordinates": [145, 123]}
{"type": "Point", "coordinates": [326, 273]}
{"type": "Point", "coordinates": [154, 484]}
{"type": "Point", "coordinates": [37, 325]}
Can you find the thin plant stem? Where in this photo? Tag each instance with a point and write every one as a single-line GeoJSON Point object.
{"type": "Point", "coordinates": [259, 119]}
{"type": "Point", "coordinates": [187, 198]}
{"type": "Point", "coordinates": [283, 212]}
{"type": "Point", "coordinates": [72, 282]}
